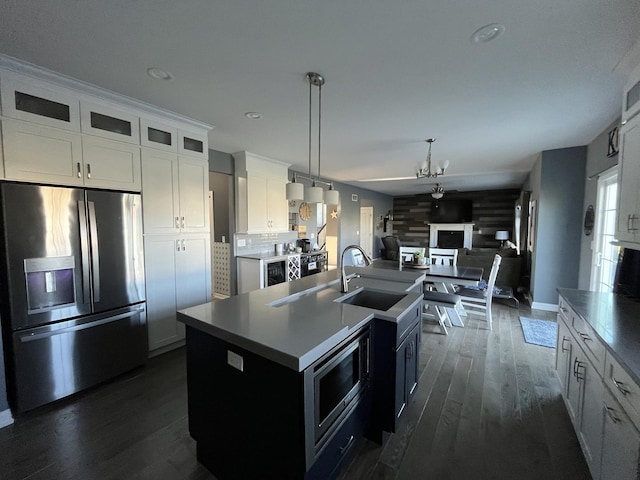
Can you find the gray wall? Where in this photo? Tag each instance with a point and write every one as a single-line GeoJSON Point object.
{"type": "Point", "coordinates": [349, 214]}
{"type": "Point", "coordinates": [557, 185]}
{"type": "Point", "coordinates": [597, 162]}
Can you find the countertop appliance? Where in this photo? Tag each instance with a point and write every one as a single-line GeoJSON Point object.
{"type": "Point", "coordinates": [313, 262]}
{"type": "Point", "coordinates": [305, 244]}
{"type": "Point", "coordinates": [73, 292]}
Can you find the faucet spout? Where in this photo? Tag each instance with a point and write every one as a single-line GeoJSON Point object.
{"type": "Point", "coordinates": [344, 281]}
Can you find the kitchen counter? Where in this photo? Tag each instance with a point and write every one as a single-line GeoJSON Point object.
{"type": "Point", "coordinates": [614, 319]}
{"type": "Point", "coordinates": [298, 333]}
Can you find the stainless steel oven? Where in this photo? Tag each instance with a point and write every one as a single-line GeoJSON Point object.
{"type": "Point", "coordinates": [333, 387]}
{"type": "Point", "coordinates": [312, 263]}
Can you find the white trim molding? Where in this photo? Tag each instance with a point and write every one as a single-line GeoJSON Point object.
{"type": "Point", "coordinates": [549, 307]}
{"type": "Point", "coordinates": [467, 228]}
{"type": "Point", "coordinates": [5, 418]}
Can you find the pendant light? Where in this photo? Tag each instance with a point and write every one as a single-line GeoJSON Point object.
{"type": "Point", "coordinates": [295, 190]}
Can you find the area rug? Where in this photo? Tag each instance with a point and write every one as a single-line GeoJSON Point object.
{"type": "Point", "coordinates": [539, 332]}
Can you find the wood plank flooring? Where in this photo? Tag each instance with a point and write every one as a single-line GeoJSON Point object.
{"type": "Point", "coordinates": [487, 406]}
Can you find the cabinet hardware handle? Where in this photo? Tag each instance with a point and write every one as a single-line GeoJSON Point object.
{"type": "Point", "coordinates": [88, 170]}
{"type": "Point", "coordinates": [562, 346]}
{"type": "Point", "coordinates": [184, 247]}
{"type": "Point", "coordinates": [79, 170]}
{"type": "Point", "coordinates": [181, 222]}
{"type": "Point", "coordinates": [177, 245]}
{"type": "Point", "coordinates": [347, 445]}
{"type": "Point", "coordinates": [611, 413]}
{"type": "Point", "coordinates": [586, 337]}
{"type": "Point", "coordinates": [620, 386]}
{"type": "Point", "coordinates": [564, 309]}
{"type": "Point", "coordinates": [177, 222]}
{"type": "Point", "coordinates": [630, 218]}
{"type": "Point", "coordinates": [577, 365]}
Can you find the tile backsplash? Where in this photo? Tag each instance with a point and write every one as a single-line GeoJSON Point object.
{"type": "Point", "coordinates": [246, 244]}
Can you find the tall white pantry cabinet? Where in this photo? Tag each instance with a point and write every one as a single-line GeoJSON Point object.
{"type": "Point", "coordinates": [56, 130]}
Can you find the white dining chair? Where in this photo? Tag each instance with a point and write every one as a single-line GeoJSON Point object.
{"type": "Point", "coordinates": [478, 301]}
{"type": "Point", "coordinates": [443, 256]}
{"type": "Point", "coordinates": [405, 254]}
{"type": "Point", "coordinates": [435, 305]}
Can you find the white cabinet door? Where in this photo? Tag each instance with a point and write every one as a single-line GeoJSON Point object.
{"type": "Point", "coordinates": [620, 443]}
{"type": "Point", "coordinates": [160, 198]}
{"type": "Point", "coordinates": [107, 122]}
{"type": "Point", "coordinates": [591, 419]}
{"type": "Point", "coordinates": [257, 206]}
{"type": "Point", "coordinates": [628, 226]}
{"type": "Point", "coordinates": [158, 135]}
{"type": "Point", "coordinates": [35, 153]}
{"type": "Point", "coordinates": [160, 269]}
{"type": "Point", "coordinates": [193, 144]}
{"type": "Point", "coordinates": [278, 205]}
{"type": "Point", "coordinates": [33, 100]}
{"type": "Point", "coordinates": [563, 354]}
{"type": "Point", "coordinates": [193, 273]}
{"type": "Point", "coordinates": [194, 194]}
{"type": "Point", "coordinates": [109, 164]}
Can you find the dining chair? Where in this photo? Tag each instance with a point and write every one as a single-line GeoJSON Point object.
{"type": "Point", "coordinates": [405, 254]}
{"type": "Point", "coordinates": [443, 256]}
{"type": "Point", "coordinates": [478, 301]}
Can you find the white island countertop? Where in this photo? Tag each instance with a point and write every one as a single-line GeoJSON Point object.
{"type": "Point", "coordinates": [296, 334]}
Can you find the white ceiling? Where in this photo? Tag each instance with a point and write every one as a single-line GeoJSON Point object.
{"type": "Point", "coordinates": [397, 72]}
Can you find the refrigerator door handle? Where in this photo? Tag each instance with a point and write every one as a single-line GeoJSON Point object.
{"type": "Point", "coordinates": [84, 252]}
{"type": "Point", "coordinates": [95, 252]}
{"type": "Point", "coordinates": [83, 326]}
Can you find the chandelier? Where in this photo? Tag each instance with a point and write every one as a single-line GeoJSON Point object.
{"type": "Point", "coordinates": [315, 193]}
{"type": "Point", "coordinates": [437, 192]}
{"type": "Point", "coordinates": [423, 170]}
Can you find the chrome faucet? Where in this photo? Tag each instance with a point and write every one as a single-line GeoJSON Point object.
{"type": "Point", "coordinates": [344, 281]}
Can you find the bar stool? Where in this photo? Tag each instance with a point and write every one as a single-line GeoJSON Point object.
{"type": "Point", "coordinates": [437, 303]}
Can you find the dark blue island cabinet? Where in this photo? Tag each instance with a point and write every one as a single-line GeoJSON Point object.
{"type": "Point", "coordinates": [257, 419]}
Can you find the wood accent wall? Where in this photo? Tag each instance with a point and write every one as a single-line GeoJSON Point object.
{"type": "Point", "coordinates": [492, 210]}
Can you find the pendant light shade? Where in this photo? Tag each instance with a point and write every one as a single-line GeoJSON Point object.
{"type": "Point", "coordinates": [331, 196]}
{"type": "Point", "coordinates": [295, 190]}
{"type": "Point", "coordinates": [313, 194]}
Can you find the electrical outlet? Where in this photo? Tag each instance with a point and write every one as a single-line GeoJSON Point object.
{"type": "Point", "coordinates": [235, 360]}
{"type": "Point", "coordinates": [242, 242]}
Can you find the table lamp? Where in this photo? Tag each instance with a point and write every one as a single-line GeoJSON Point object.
{"type": "Point", "coordinates": [502, 235]}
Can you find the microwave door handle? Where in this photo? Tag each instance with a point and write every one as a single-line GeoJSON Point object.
{"type": "Point", "coordinates": [84, 251]}
{"type": "Point", "coordinates": [95, 252]}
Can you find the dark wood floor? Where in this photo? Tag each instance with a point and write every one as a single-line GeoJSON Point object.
{"type": "Point", "coordinates": [487, 407]}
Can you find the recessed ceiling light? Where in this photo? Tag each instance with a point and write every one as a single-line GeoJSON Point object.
{"type": "Point", "coordinates": [253, 115]}
{"type": "Point", "coordinates": [159, 74]}
{"type": "Point", "coordinates": [487, 33]}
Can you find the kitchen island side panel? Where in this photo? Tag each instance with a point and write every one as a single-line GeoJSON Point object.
{"type": "Point", "coordinates": [250, 423]}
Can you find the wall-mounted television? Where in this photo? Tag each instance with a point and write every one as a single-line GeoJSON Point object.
{"type": "Point", "coordinates": [449, 210]}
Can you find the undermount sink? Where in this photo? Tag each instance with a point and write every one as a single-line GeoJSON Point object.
{"type": "Point", "coordinates": [374, 299]}
{"type": "Point", "coordinates": [297, 296]}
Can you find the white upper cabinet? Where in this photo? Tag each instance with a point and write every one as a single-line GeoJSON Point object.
{"type": "Point", "coordinates": [261, 194]}
{"type": "Point", "coordinates": [175, 193]}
{"type": "Point", "coordinates": [193, 144]}
{"type": "Point", "coordinates": [631, 98]}
{"type": "Point", "coordinates": [32, 100]}
{"type": "Point", "coordinates": [109, 164]}
{"type": "Point", "coordinates": [103, 121]}
{"type": "Point", "coordinates": [36, 153]}
{"type": "Point", "coordinates": [628, 225]}
{"type": "Point", "coordinates": [157, 135]}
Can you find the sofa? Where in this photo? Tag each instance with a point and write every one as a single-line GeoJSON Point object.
{"type": "Point", "coordinates": [510, 266]}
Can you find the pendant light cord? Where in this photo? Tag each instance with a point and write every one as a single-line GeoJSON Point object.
{"type": "Point", "coordinates": [319, 124]}
{"type": "Point", "coordinates": [310, 86]}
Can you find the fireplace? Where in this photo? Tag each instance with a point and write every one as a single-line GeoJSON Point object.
{"type": "Point", "coordinates": [450, 239]}
{"type": "Point", "coordinates": [451, 235]}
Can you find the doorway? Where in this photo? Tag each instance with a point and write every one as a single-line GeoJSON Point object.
{"type": "Point", "coordinates": [605, 255]}
{"type": "Point", "coordinates": [366, 230]}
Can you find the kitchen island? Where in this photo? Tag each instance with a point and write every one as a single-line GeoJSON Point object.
{"type": "Point", "coordinates": [283, 380]}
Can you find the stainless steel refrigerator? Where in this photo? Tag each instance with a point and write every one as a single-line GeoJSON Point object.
{"type": "Point", "coordinates": [72, 287]}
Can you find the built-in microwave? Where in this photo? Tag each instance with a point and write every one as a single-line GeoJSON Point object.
{"type": "Point", "coordinates": [333, 387]}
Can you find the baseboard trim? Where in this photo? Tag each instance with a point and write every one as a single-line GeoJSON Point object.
{"type": "Point", "coordinates": [549, 307]}
{"type": "Point", "coordinates": [166, 348]}
{"type": "Point", "coordinates": [5, 418]}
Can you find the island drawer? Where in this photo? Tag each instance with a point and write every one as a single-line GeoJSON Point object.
{"type": "Point", "coordinates": [623, 387]}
